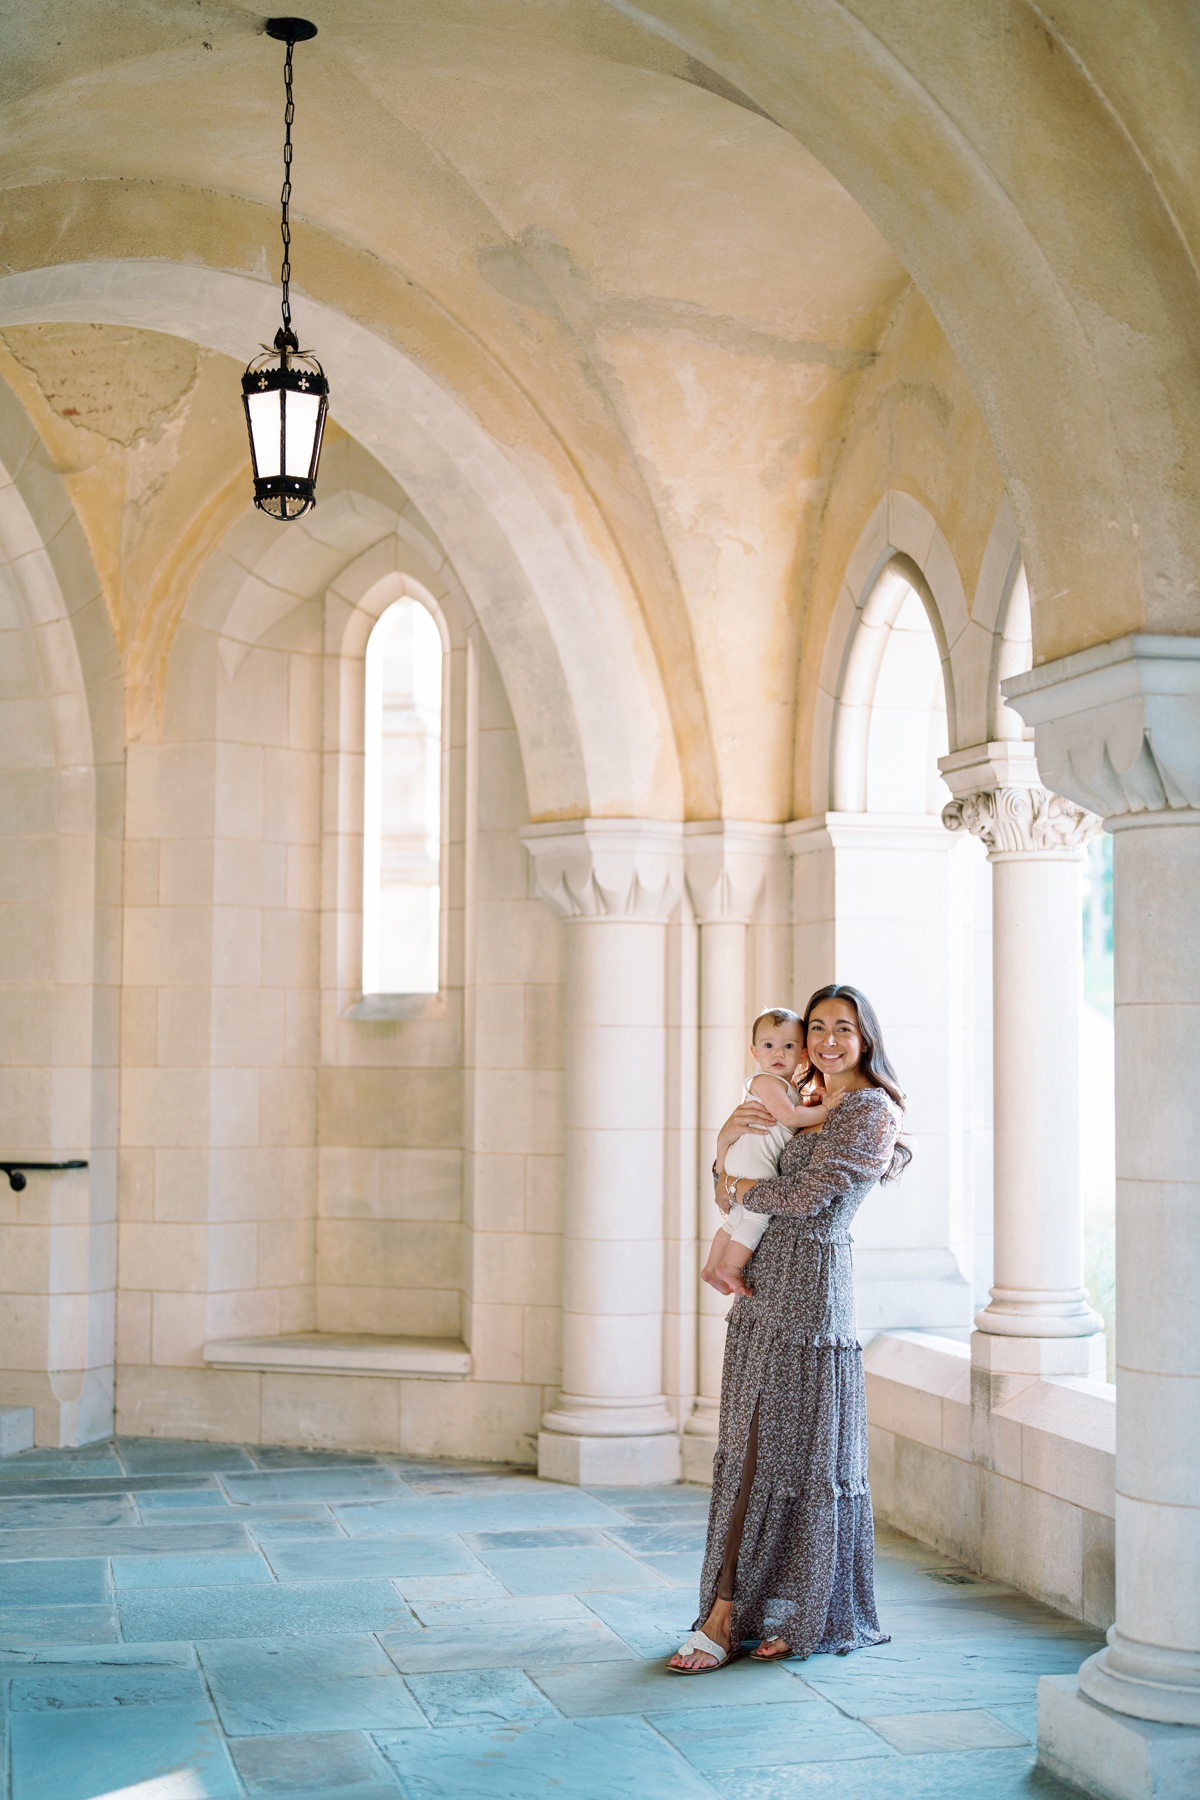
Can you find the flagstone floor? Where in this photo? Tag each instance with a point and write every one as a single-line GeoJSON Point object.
{"type": "Point", "coordinates": [186, 1621]}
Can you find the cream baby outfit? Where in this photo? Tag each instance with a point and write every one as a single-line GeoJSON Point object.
{"type": "Point", "coordinates": [755, 1157]}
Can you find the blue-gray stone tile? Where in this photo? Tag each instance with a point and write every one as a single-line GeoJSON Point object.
{"type": "Point", "coordinates": [156, 1500]}
{"type": "Point", "coordinates": [503, 1609]}
{"type": "Point", "coordinates": [87, 1752]}
{"type": "Point", "coordinates": [984, 1775]}
{"type": "Point", "coordinates": [275, 1610]}
{"type": "Point", "coordinates": [902, 1579]}
{"type": "Point", "coordinates": [691, 1514]}
{"type": "Point", "coordinates": [720, 1739]}
{"type": "Point", "coordinates": [284, 1512]}
{"type": "Point", "coordinates": [912, 1622]}
{"type": "Point", "coordinates": [131, 1572]}
{"type": "Point", "coordinates": [420, 1514]}
{"type": "Point", "coordinates": [99, 1656]}
{"type": "Point", "coordinates": [281, 1456]}
{"type": "Point", "coordinates": [589, 1759]}
{"type": "Point", "coordinates": [44, 1513]}
{"type": "Point", "coordinates": [531, 1644]}
{"type": "Point", "coordinates": [119, 1685]}
{"type": "Point", "coordinates": [311, 1761]}
{"type": "Point", "coordinates": [123, 1540]}
{"type": "Point", "coordinates": [653, 1624]}
{"type": "Point", "coordinates": [568, 1571]}
{"type": "Point", "coordinates": [725, 1739]}
{"type": "Point", "coordinates": [680, 1568]}
{"type": "Point", "coordinates": [31, 1625]}
{"type": "Point", "coordinates": [294, 1531]}
{"type": "Point", "coordinates": [70, 1583]}
{"type": "Point", "coordinates": [922, 1734]}
{"type": "Point", "coordinates": [659, 1540]}
{"type": "Point", "coordinates": [89, 1459]}
{"type": "Point", "coordinates": [351, 1558]}
{"type": "Point", "coordinates": [354, 1482]}
{"type": "Point", "coordinates": [679, 1493]}
{"type": "Point", "coordinates": [88, 1486]}
{"type": "Point", "coordinates": [548, 1537]}
{"type": "Point", "coordinates": [422, 1591]}
{"type": "Point", "coordinates": [323, 1683]}
{"type": "Point", "coordinates": [479, 1697]}
{"type": "Point", "coordinates": [893, 1678]}
{"type": "Point", "coordinates": [180, 1456]}
{"type": "Point", "coordinates": [638, 1686]}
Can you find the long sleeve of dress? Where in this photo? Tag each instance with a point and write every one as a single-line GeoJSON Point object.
{"type": "Point", "coordinates": [852, 1150]}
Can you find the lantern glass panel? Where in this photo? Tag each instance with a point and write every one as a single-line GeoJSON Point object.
{"type": "Point", "coordinates": [264, 427]}
{"type": "Point", "coordinates": [300, 432]}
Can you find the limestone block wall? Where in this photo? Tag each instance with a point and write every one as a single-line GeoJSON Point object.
{"type": "Point", "coordinates": [1011, 1472]}
{"type": "Point", "coordinates": [297, 1156]}
{"type": "Point", "coordinates": [513, 1116]}
{"type": "Point", "coordinates": [61, 807]}
{"type": "Point", "coordinates": [219, 1016]}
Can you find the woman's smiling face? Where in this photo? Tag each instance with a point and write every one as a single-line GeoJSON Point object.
{"type": "Point", "coordinates": [834, 1041]}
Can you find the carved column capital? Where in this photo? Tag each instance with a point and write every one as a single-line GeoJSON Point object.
{"type": "Point", "coordinates": [728, 864]}
{"type": "Point", "coordinates": [1022, 821]}
{"type": "Point", "coordinates": [615, 869]}
{"type": "Point", "coordinates": [1118, 726]}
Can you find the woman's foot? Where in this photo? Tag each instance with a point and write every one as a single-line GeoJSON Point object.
{"type": "Point", "coordinates": [772, 1650]}
{"type": "Point", "coordinates": [716, 1627]}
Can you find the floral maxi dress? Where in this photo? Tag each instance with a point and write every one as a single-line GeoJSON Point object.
{"type": "Point", "coordinates": [806, 1563]}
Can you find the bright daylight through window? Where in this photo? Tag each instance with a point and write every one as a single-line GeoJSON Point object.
{"type": "Point", "coordinates": [402, 803]}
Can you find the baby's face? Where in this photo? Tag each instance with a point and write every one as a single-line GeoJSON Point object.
{"type": "Point", "coordinates": [779, 1049]}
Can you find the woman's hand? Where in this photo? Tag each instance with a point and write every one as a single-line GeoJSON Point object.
{"type": "Point", "coordinates": [749, 1116]}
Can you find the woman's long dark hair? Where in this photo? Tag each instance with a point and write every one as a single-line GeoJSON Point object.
{"type": "Point", "coordinates": [873, 1062]}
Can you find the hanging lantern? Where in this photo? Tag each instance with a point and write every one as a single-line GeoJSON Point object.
{"type": "Point", "coordinates": [285, 392]}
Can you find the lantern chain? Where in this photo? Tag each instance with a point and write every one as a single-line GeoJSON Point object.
{"type": "Point", "coordinates": [285, 197]}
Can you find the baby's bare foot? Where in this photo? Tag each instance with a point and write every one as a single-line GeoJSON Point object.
{"type": "Point", "coordinates": [715, 1279]}
{"type": "Point", "coordinates": [732, 1281]}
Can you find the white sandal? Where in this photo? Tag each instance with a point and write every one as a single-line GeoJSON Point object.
{"type": "Point", "coordinates": [706, 1647]}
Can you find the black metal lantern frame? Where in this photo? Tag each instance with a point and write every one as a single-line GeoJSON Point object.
{"type": "Point", "coordinates": [284, 391]}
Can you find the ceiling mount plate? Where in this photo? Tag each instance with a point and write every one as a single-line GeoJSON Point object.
{"type": "Point", "coordinates": [291, 31]}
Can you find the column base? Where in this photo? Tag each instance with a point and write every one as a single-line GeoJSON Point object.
{"type": "Point", "coordinates": [1108, 1753]}
{"type": "Point", "coordinates": [608, 1461]}
{"type": "Point", "coordinates": [1039, 1313]}
{"type": "Point", "coordinates": [700, 1441]}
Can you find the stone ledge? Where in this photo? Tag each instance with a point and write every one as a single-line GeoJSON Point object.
{"type": "Point", "coordinates": [343, 1353]}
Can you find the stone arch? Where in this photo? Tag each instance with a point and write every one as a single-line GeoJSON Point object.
{"type": "Point", "coordinates": [903, 538]}
{"type": "Point", "coordinates": [580, 673]}
{"type": "Point", "coordinates": [1051, 252]}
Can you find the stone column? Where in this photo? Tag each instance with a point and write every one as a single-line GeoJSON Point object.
{"type": "Point", "coordinates": [727, 869]}
{"type": "Point", "coordinates": [1035, 842]}
{"type": "Point", "coordinates": [1118, 728]}
{"type": "Point", "coordinates": [616, 883]}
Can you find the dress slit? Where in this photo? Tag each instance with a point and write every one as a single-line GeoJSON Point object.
{"type": "Point", "coordinates": [733, 1537]}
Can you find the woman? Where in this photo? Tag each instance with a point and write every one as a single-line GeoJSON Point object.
{"type": "Point", "coordinates": [790, 1553]}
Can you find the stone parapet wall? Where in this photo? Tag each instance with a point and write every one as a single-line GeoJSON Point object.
{"type": "Point", "coordinates": [1011, 1471]}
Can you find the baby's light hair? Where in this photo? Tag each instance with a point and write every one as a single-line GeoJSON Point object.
{"type": "Point", "coordinates": [780, 1015]}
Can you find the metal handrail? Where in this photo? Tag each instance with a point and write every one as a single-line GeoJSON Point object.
{"type": "Point", "coordinates": [16, 1179]}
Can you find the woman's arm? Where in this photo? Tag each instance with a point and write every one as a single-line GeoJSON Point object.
{"type": "Point", "coordinates": [854, 1148]}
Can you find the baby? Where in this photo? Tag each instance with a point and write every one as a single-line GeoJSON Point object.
{"type": "Point", "coordinates": [777, 1046]}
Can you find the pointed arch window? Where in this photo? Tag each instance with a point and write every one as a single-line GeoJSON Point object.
{"type": "Point", "coordinates": [402, 803]}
